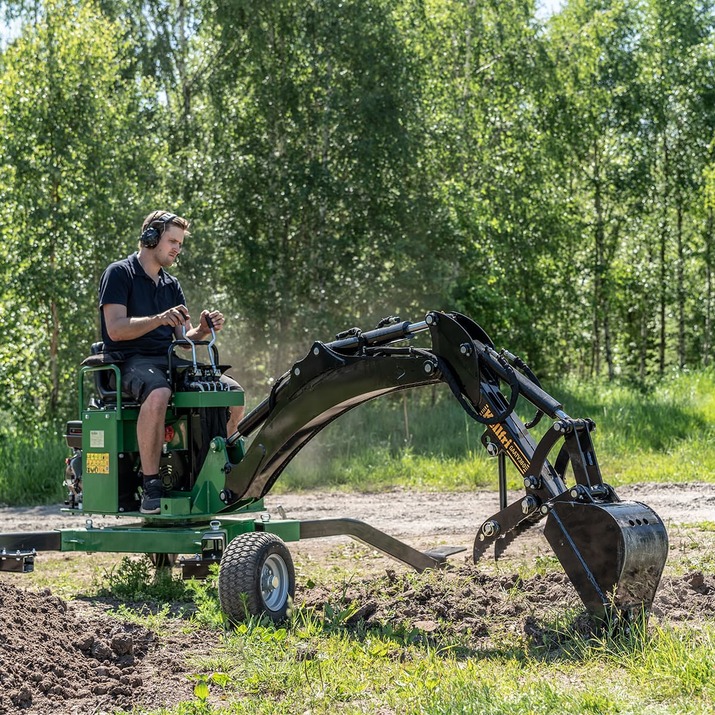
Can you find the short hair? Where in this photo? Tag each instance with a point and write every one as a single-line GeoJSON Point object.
{"type": "Point", "coordinates": [159, 215]}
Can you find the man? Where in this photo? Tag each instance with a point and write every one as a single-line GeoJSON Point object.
{"type": "Point", "coordinates": [142, 308]}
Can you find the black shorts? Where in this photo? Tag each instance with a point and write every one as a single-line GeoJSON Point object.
{"type": "Point", "coordinates": [142, 374]}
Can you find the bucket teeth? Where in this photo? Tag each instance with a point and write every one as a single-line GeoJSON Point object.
{"type": "Point", "coordinates": [504, 543]}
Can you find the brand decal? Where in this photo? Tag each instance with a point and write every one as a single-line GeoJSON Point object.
{"type": "Point", "coordinates": [507, 443]}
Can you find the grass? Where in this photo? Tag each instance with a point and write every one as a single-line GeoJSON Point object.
{"type": "Point", "coordinates": [32, 464]}
{"type": "Point", "coordinates": [423, 440]}
{"type": "Point", "coordinates": [315, 664]}
{"type": "Point", "coordinates": [321, 662]}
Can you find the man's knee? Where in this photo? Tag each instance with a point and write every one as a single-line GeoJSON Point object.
{"type": "Point", "coordinates": [157, 400]}
{"type": "Point", "coordinates": [231, 383]}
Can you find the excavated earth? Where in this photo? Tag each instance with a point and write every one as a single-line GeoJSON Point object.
{"type": "Point", "coordinates": [76, 657]}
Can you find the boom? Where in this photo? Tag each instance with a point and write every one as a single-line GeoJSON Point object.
{"type": "Point", "coordinates": [610, 549]}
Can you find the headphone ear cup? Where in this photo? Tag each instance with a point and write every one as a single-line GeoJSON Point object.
{"type": "Point", "coordinates": [150, 237]}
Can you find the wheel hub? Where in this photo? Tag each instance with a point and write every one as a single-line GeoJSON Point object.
{"type": "Point", "coordinates": [274, 582]}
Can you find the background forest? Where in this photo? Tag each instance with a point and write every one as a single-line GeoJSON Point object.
{"type": "Point", "coordinates": [342, 160]}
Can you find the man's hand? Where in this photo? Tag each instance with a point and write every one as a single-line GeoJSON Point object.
{"type": "Point", "coordinates": [217, 321]}
{"type": "Point", "coordinates": [176, 317]}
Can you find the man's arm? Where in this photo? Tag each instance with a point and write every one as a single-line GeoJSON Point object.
{"type": "Point", "coordinates": [120, 327]}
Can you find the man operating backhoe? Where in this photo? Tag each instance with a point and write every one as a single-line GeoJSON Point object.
{"type": "Point", "coordinates": [142, 309]}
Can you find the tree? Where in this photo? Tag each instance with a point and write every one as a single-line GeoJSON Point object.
{"type": "Point", "coordinates": [593, 44]}
{"type": "Point", "coordinates": [71, 167]}
{"type": "Point", "coordinates": [677, 67]}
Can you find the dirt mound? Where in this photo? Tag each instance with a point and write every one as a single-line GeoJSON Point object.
{"type": "Point", "coordinates": [465, 601]}
{"type": "Point", "coordinates": [689, 597]}
{"type": "Point", "coordinates": [57, 657]}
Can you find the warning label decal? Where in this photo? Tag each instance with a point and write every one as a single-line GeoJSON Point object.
{"type": "Point", "coordinates": [97, 463]}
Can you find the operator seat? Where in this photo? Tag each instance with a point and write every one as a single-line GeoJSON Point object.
{"type": "Point", "coordinates": [104, 380]}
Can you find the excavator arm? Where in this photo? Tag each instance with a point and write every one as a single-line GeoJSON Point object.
{"type": "Point", "coordinates": [613, 552]}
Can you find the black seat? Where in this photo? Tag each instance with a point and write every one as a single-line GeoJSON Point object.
{"type": "Point", "coordinates": [104, 380]}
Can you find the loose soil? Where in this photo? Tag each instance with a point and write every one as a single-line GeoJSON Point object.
{"type": "Point", "coordinates": [76, 657]}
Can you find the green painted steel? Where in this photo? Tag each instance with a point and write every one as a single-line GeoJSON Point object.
{"type": "Point", "coordinates": [208, 399]}
{"type": "Point", "coordinates": [109, 454]}
{"type": "Point", "coordinates": [102, 441]}
{"type": "Point", "coordinates": [177, 539]}
{"type": "Point", "coordinates": [287, 529]}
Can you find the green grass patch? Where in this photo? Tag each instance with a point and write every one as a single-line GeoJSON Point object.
{"type": "Point", "coordinates": [32, 463]}
{"type": "Point", "coordinates": [316, 664]}
{"type": "Point", "coordinates": [422, 439]}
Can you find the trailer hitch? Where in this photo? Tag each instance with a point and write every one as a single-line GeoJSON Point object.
{"type": "Point", "coordinates": [18, 561]}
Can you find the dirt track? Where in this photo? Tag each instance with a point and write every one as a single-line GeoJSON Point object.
{"type": "Point", "coordinates": [406, 513]}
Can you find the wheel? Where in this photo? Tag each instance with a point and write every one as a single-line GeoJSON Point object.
{"type": "Point", "coordinates": [256, 577]}
{"type": "Point", "coordinates": [163, 561]}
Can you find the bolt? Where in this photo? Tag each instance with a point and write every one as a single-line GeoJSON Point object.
{"type": "Point", "coordinates": [528, 504]}
{"type": "Point", "coordinates": [428, 367]}
{"type": "Point", "coordinates": [574, 493]}
{"type": "Point", "coordinates": [544, 509]}
{"type": "Point", "coordinates": [490, 528]}
{"type": "Point", "coordinates": [465, 349]}
{"type": "Point", "coordinates": [296, 371]}
{"type": "Point", "coordinates": [492, 449]}
{"type": "Point", "coordinates": [431, 319]}
{"type": "Point", "coordinates": [316, 350]}
{"type": "Point", "coordinates": [531, 482]}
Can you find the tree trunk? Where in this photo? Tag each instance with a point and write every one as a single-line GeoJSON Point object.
{"type": "Point", "coordinates": [680, 288]}
{"type": "Point", "coordinates": [707, 337]}
{"type": "Point", "coordinates": [663, 242]}
{"type": "Point", "coordinates": [598, 267]}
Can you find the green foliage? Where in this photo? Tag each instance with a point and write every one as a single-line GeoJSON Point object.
{"type": "Point", "coordinates": [71, 162]}
{"type": "Point", "coordinates": [204, 594]}
{"type": "Point", "coordinates": [31, 463]}
{"type": "Point", "coordinates": [341, 161]}
{"type": "Point", "coordinates": [136, 579]}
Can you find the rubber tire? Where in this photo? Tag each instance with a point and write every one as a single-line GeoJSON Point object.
{"type": "Point", "coordinates": [256, 577]}
{"type": "Point", "coordinates": [163, 561]}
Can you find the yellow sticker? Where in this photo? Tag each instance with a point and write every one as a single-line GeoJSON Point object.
{"type": "Point", "coordinates": [97, 463]}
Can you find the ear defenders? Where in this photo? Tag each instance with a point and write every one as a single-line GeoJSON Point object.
{"type": "Point", "coordinates": [152, 233]}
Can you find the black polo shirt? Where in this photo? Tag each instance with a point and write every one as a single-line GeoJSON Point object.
{"type": "Point", "coordinates": [126, 283]}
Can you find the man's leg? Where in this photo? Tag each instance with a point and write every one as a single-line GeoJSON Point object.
{"type": "Point", "coordinates": [150, 429]}
{"type": "Point", "coordinates": [235, 412]}
{"type": "Point", "coordinates": [150, 438]}
{"type": "Point", "coordinates": [145, 379]}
